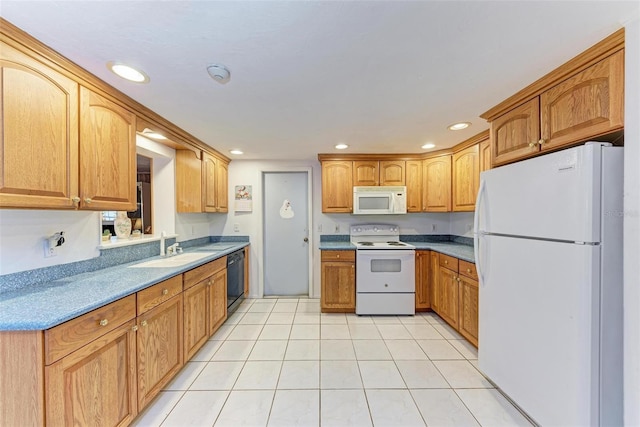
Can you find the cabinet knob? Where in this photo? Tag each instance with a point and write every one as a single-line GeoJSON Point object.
{"type": "Point", "coordinates": [104, 322]}
{"type": "Point", "coordinates": [337, 256]}
{"type": "Point", "coordinates": [468, 270]}
{"type": "Point", "coordinates": [144, 323]}
{"type": "Point", "coordinates": [532, 144]}
{"type": "Point", "coordinates": [87, 200]}
{"type": "Point", "coordinates": [75, 200]}
{"type": "Point", "coordinates": [165, 291]}
{"type": "Point", "coordinates": [458, 279]}
{"type": "Point", "coordinates": [134, 328]}
{"type": "Point", "coordinates": [542, 141]}
{"type": "Point", "coordinates": [446, 261]}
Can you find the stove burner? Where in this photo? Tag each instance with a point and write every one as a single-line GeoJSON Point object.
{"type": "Point", "coordinates": [366, 243]}
{"type": "Point", "coordinates": [395, 243]}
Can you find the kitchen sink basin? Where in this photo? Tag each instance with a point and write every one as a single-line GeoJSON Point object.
{"type": "Point", "coordinates": [173, 261]}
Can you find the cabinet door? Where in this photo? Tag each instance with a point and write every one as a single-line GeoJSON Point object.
{"type": "Point", "coordinates": [39, 131]}
{"type": "Point", "coordinates": [196, 331]}
{"type": "Point", "coordinates": [338, 293]}
{"type": "Point", "coordinates": [466, 179]}
{"type": "Point", "coordinates": [96, 383]}
{"type": "Point", "coordinates": [468, 322]}
{"type": "Point", "coordinates": [485, 155]}
{"type": "Point", "coordinates": [423, 270]}
{"type": "Point", "coordinates": [392, 172]}
{"type": "Point", "coordinates": [107, 154]}
{"type": "Point", "coordinates": [589, 104]}
{"type": "Point", "coordinates": [160, 354]}
{"type": "Point", "coordinates": [222, 186]}
{"type": "Point", "coordinates": [337, 187]}
{"type": "Point", "coordinates": [188, 181]}
{"type": "Point", "coordinates": [515, 135]}
{"type": "Point", "coordinates": [209, 183]}
{"type": "Point", "coordinates": [414, 185]}
{"type": "Point", "coordinates": [217, 300]}
{"type": "Point", "coordinates": [434, 270]}
{"type": "Point", "coordinates": [436, 182]}
{"type": "Point", "coordinates": [366, 173]}
{"type": "Point", "coordinates": [448, 304]}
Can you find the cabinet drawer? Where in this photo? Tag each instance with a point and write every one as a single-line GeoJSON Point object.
{"type": "Point", "coordinates": [468, 269]}
{"type": "Point", "coordinates": [338, 256]}
{"type": "Point", "coordinates": [196, 275]}
{"type": "Point", "coordinates": [70, 336]}
{"type": "Point", "coordinates": [449, 262]}
{"type": "Point", "coordinates": [159, 293]}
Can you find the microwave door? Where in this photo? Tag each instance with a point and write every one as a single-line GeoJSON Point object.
{"type": "Point", "coordinates": [374, 203]}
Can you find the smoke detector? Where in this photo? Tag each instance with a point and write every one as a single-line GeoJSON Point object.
{"type": "Point", "coordinates": [219, 73]}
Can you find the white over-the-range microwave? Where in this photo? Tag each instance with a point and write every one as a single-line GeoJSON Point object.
{"type": "Point", "coordinates": [370, 200]}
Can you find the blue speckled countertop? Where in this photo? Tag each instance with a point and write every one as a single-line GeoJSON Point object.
{"type": "Point", "coordinates": [458, 250]}
{"type": "Point", "coordinates": [50, 304]}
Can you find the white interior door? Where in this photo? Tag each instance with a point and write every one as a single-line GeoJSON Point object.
{"type": "Point", "coordinates": [286, 233]}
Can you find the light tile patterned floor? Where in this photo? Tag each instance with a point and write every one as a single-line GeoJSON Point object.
{"type": "Point", "coordinates": [280, 362]}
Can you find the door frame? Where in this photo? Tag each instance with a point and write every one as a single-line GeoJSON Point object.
{"type": "Point", "coordinates": [261, 228]}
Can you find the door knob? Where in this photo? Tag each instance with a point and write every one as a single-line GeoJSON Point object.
{"type": "Point", "coordinates": [306, 239]}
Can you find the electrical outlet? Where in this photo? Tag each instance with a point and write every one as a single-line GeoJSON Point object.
{"type": "Point", "coordinates": [469, 227]}
{"type": "Point", "coordinates": [320, 228]}
{"type": "Point", "coordinates": [193, 230]}
{"type": "Point", "coordinates": [49, 251]}
{"type": "Point", "coordinates": [433, 227]}
{"type": "Point", "coordinates": [337, 229]}
{"type": "Point", "coordinates": [236, 228]}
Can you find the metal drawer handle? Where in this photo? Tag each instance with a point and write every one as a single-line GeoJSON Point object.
{"type": "Point", "coordinates": [104, 322]}
{"type": "Point", "coordinates": [165, 291]}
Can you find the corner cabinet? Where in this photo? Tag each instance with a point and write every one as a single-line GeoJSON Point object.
{"type": "Point", "coordinates": [337, 186]}
{"type": "Point", "coordinates": [338, 281]}
{"type": "Point", "coordinates": [466, 179]}
{"type": "Point", "coordinates": [107, 154]}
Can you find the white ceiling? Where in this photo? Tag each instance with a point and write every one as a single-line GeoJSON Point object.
{"type": "Point", "coordinates": [381, 76]}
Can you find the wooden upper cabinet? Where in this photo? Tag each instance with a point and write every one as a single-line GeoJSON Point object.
{"type": "Point", "coordinates": [366, 173]}
{"type": "Point", "coordinates": [392, 172]}
{"type": "Point", "coordinates": [589, 104]}
{"type": "Point", "coordinates": [222, 186]}
{"type": "Point", "coordinates": [516, 134]}
{"type": "Point", "coordinates": [188, 181]}
{"type": "Point", "coordinates": [413, 170]}
{"type": "Point", "coordinates": [209, 183]}
{"type": "Point", "coordinates": [107, 154]}
{"type": "Point", "coordinates": [466, 179]}
{"type": "Point", "coordinates": [39, 131]}
{"type": "Point", "coordinates": [337, 186]}
{"type": "Point", "coordinates": [485, 155]}
{"type": "Point", "coordinates": [436, 181]}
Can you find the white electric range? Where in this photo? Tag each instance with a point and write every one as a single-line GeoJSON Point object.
{"type": "Point", "coordinates": [385, 270]}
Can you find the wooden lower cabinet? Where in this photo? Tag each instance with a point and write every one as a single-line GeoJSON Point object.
{"type": "Point", "coordinates": [95, 385]}
{"type": "Point", "coordinates": [160, 354]}
{"type": "Point", "coordinates": [217, 297]}
{"type": "Point", "coordinates": [454, 295]}
{"type": "Point", "coordinates": [196, 332]}
{"type": "Point", "coordinates": [338, 277]}
{"type": "Point", "coordinates": [423, 277]}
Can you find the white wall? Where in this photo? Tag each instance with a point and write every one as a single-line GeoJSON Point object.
{"type": "Point", "coordinates": [22, 232]}
{"type": "Point", "coordinates": [632, 224]}
{"type": "Point", "coordinates": [249, 172]}
{"type": "Point", "coordinates": [462, 224]}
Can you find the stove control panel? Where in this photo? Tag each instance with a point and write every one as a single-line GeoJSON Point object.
{"type": "Point", "coordinates": [374, 229]}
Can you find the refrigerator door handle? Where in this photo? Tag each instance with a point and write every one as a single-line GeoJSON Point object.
{"type": "Point", "coordinates": [476, 232]}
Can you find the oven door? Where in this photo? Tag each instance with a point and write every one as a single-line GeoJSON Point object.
{"type": "Point", "coordinates": [382, 270]}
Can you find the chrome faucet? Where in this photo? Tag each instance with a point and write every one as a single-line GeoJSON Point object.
{"type": "Point", "coordinates": [173, 249]}
{"type": "Point", "coordinates": [162, 237]}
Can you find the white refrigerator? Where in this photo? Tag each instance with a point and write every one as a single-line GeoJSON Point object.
{"type": "Point", "coordinates": [548, 242]}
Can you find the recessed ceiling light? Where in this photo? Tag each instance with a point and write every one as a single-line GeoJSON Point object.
{"type": "Point", "coordinates": [151, 134]}
{"type": "Point", "coordinates": [127, 72]}
{"type": "Point", "coordinates": [459, 126]}
{"type": "Point", "coordinates": [236, 151]}
{"type": "Point", "coordinates": [428, 145]}
{"type": "Point", "coordinates": [342, 146]}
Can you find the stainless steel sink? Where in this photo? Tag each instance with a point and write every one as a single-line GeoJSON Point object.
{"type": "Point", "coordinates": [174, 261]}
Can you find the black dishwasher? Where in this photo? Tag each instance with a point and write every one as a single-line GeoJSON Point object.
{"type": "Point", "coordinates": [235, 280]}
